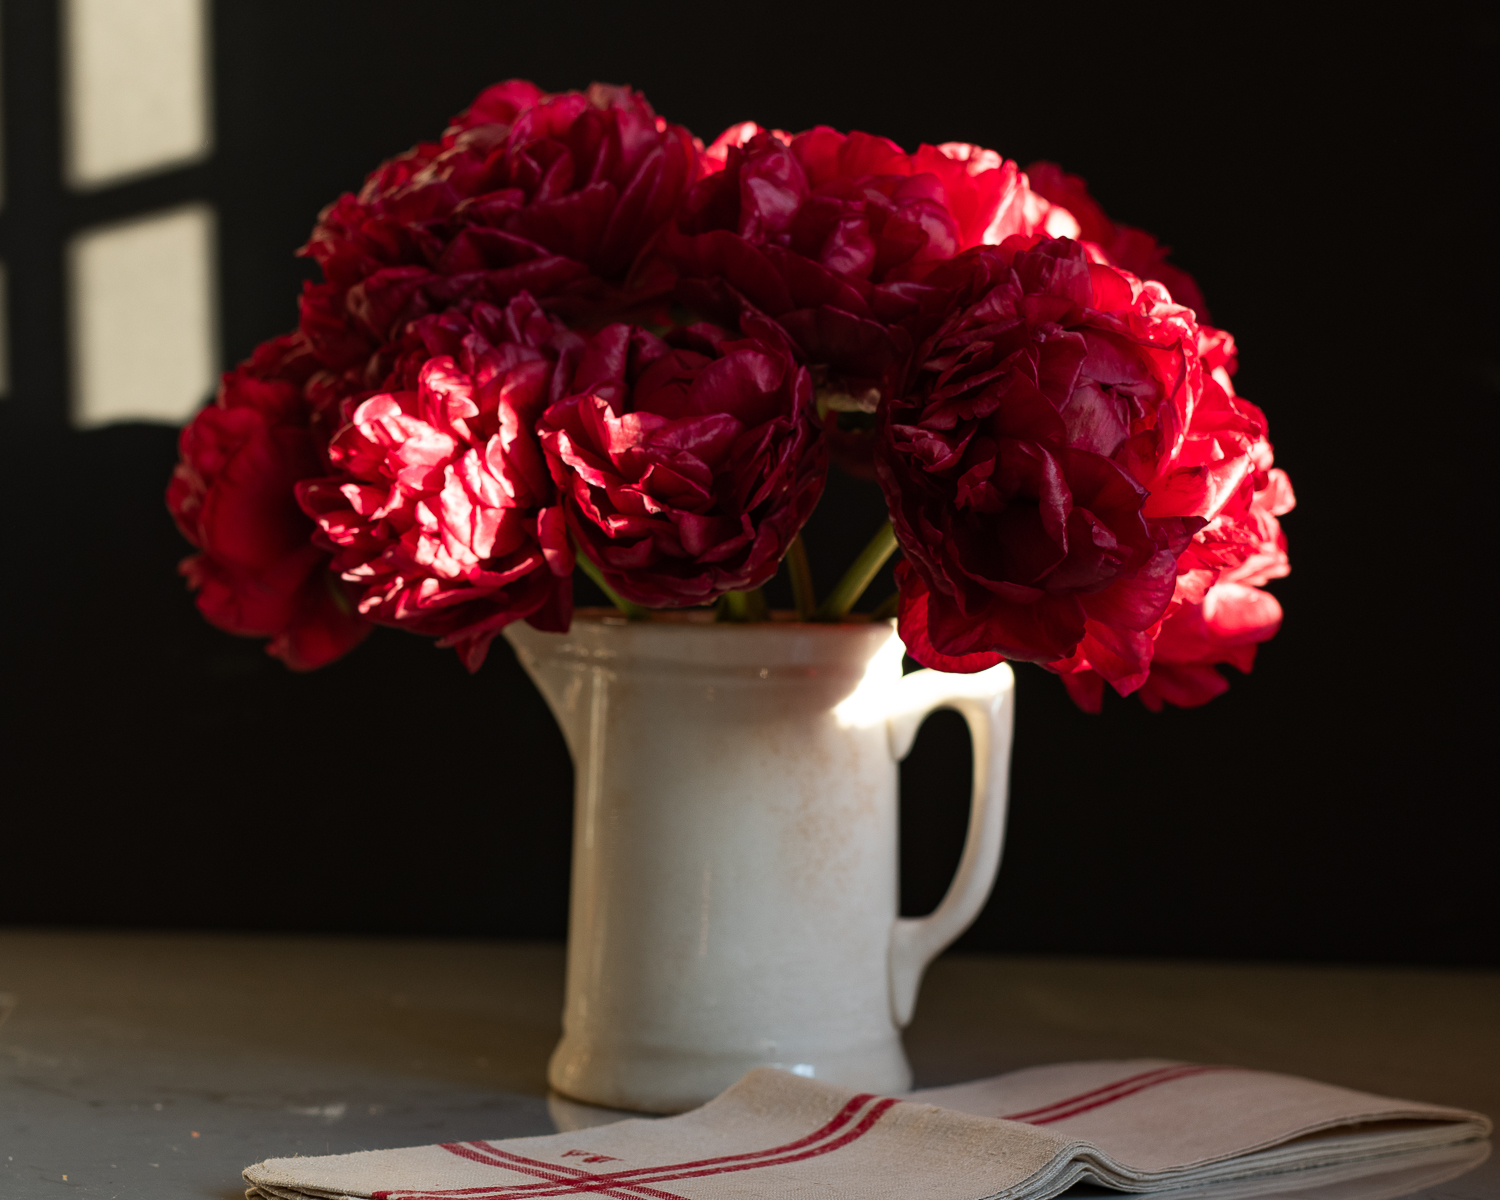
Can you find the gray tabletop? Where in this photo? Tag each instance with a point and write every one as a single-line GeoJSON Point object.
{"type": "Point", "coordinates": [155, 1067]}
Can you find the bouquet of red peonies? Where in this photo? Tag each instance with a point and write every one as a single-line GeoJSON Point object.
{"type": "Point", "coordinates": [570, 336]}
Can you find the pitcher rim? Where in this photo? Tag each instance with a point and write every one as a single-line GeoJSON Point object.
{"type": "Point", "coordinates": [703, 618]}
{"type": "Point", "coordinates": [704, 643]}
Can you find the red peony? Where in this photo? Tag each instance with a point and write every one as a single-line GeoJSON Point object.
{"type": "Point", "coordinates": [825, 238]}
{"type": "Point", "coordinates": [441, 511]}
{"type": "Point", "coordinates": [554, 194]}
{"type": "Point", "coordinates": [688, 470]}
{"type": "Point", "coordinates": [1044, 473]}
{"type": "Point", "coordinates": [472, 395]}
{"type": "Point", "coordinates": [1117, 245]}
{"type": "Point", "coordinates": [231, 494]}
{"type": "Point", "coordinates": [1218, 613]}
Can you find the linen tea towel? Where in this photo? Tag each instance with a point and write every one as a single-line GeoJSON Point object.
{"type": "Point", "coordinates": [1140, 1126]}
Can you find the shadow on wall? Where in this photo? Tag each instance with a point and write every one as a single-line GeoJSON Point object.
{"type": "Point", "coordinates": [162, 773]}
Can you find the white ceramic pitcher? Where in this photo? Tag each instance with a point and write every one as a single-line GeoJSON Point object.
{"type": "Point", "coordinates": [734, 892]}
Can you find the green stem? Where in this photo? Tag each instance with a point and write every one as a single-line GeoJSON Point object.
{"type": "Point", "coordinates": [888, 608]}
{"type": "Point", "coordinates": [743, 606]}
{"type": "Point", "coordinates": [590, 568]}
{"type": "Point", "coordinates": [800, 573]}
{"type": "Point", "coordinates": [859, 576]}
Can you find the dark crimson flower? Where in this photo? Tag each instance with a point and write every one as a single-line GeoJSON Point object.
{"type": "Point", "coordinates": [826, 238]}
{"type": "Point", "coordinates": [1218, 612]}
{"type": "Point", "coordinates": [441, 511]}
{"type": "Point", "coordinates": [232, 496]}
{"type": "Point", "coordinates": [554, 194]}
{"type": "Point", "coordinates": [1117, 245]}
{"type": "Point", "coordinates": [1043, 472]}
{"type": "Point", "coordinates": [688, 470]}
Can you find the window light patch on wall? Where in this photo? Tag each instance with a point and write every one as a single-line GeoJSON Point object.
{"type": "Point", "coordinates": [143, 326]}
{"type": "Point", "coordinates": [137, 91]}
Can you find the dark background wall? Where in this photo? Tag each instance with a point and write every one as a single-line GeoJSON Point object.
{"type": "Point", "coordinates": [1331, 187]}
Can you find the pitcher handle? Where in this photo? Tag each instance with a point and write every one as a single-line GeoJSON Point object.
{"type": "Point", "coordinates": [986, 701]}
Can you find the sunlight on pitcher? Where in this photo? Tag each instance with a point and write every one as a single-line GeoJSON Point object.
{"type": "Point", "coordinates": [871, 702]}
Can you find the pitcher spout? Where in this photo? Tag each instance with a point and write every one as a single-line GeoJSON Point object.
{"type": "Point", "coordinates": [566, 672]}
